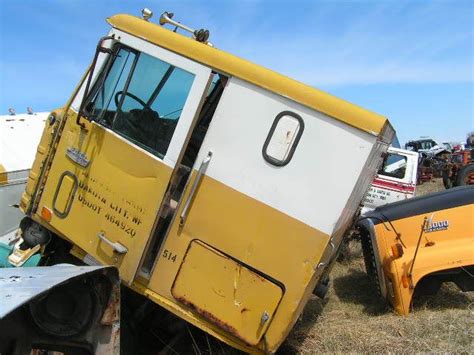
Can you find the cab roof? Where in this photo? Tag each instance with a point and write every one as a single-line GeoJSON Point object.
{"type": "Point", "coordinates": [224, 62]}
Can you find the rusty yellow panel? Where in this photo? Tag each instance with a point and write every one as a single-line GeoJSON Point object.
{"type": "Point", "coordinates": [246, 242]}
{"type": "Point", "coordinates": [66, 188]}
{"type": "Point", "coordinates": [226, 292]}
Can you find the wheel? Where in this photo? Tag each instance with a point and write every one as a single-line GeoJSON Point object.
{"type": "Point", "coordinates": [465, 175]}
{"type": "Point", "coordinates": [369, 259]}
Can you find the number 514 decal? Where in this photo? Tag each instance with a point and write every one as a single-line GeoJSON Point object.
{"type": "Point", "coordinates": [169, 255]}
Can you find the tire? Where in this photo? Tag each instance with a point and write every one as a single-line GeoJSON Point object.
{"type": "Point", "coordinates": [369, 259]}
{"type": "Point", "coordinates": [463, 174]}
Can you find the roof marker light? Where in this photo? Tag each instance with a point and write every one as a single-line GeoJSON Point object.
{"type": "Point", "coordinates": [147, 14]}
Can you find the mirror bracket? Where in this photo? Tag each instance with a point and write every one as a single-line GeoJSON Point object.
{"type": "Point", "coordinates": [99, 49]}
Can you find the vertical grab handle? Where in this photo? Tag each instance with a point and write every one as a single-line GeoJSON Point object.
{"type": "Point", "coordinates": [202, 170]}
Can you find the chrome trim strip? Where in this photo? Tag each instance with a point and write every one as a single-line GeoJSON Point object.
{"type": "Point", "coordinates": [202, 170]}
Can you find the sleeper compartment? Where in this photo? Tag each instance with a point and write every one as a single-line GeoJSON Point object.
{"type": "Point", "coordinates": [226, 292]}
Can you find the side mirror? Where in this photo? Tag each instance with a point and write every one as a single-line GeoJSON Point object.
{"type": "Point", "coordinates": [100, 49]}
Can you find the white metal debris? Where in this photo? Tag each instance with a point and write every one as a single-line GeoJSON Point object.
{"type": "Point", "coordinates": [19, 138]}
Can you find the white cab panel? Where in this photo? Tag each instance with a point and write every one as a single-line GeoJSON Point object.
{"type": "Point", "coordinates": [315, 185]}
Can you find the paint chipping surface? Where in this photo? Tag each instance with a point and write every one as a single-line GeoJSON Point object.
{"type": "Point", "coordinates": [226, 293]}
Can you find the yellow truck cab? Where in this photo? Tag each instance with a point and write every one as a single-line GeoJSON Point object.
{"type": "Point", "coordinates": [417, 244]}
{"type": "Point", "coordinates": [196, 173]}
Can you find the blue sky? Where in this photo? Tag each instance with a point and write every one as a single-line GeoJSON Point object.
{"type": "Point", "coordinates": [409, 60]}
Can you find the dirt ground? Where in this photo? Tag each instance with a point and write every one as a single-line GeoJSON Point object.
{"type": "Point", "coordinates": [430, 187]}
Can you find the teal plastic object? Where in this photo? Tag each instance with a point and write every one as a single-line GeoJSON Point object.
{"type": "Point", "coordinates": [6, 250]}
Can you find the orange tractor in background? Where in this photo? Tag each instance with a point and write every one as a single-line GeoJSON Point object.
{"type": "Point", "coordinates": [459, 168]}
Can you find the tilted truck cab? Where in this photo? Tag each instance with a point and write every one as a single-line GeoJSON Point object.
{"type": "Point", "coordinates": [196, 173]}
{"type": "Point", "coordinates": [419, 244]}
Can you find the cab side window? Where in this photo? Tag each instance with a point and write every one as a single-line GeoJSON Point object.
{"type": "Point", "coordinates": [283, 138]}
{"type": "Point", "coordinates": [141, 99]}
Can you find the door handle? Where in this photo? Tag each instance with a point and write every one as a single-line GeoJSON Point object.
{"type": "Point", "coordinates": [201, 171]}
{"type": "Point", "coordinates": [116, 246]}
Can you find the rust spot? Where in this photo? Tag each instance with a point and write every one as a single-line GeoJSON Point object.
{"type": "Point", "coordinates": [212, 318]}
{"type": "Point", "coordinates": [112, 312]}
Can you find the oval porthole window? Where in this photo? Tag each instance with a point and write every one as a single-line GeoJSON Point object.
{"type": "Point", "coordinates": [283, 138]}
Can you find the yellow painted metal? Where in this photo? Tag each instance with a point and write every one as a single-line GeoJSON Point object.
{"type": "Point", "coordinates": [226, 292]}
{"type": "Point", "coordinates": [344, 111]}
{"type": "Point", "coordinates": [177, 309]}
{"type": "Point", "coordinates": [270, 241]}
{"type": "Point", "coordinates": [101, 204]}
{"type": "Point", "coordinates": [295, 248]}
{"type": "Point", "coordinates": [41, 155]}
{"type": "Point", "coordinates": [45, 151]}
{"type": "Point", "coordinates": [194, 318]}
{"type": "Point", "coordinates": [440, 250]}
{"type": "Point", "coordinates": [3, 175]}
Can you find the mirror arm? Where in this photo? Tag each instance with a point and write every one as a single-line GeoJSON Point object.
{"type": "Point", "coordinates": [99, 49]}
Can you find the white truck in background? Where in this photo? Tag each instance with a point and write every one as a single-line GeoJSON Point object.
{"type": "Point", "coordinates": [395, 181]}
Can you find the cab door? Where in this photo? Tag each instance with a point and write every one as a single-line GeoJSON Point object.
{"type": "Point", "coordinates": [395, 181]}
{"type": "Point", "coordinates": [107, 181]}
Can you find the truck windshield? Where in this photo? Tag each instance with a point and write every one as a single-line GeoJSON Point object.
{"type": "Point", "coordinates": [141, 98]}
